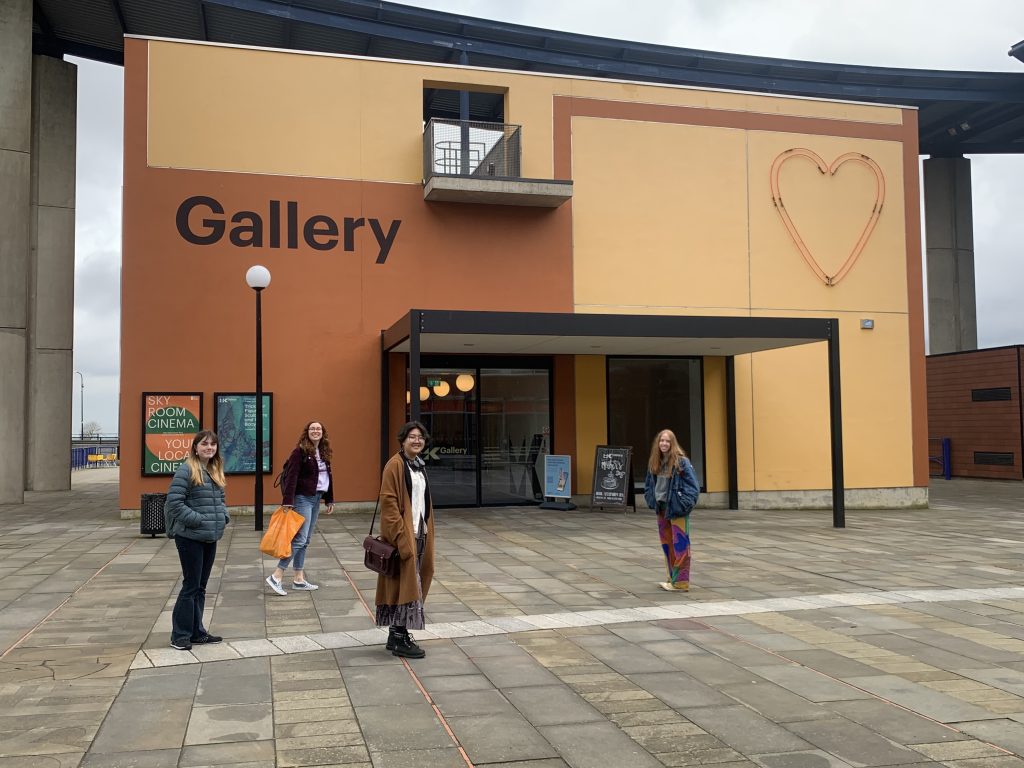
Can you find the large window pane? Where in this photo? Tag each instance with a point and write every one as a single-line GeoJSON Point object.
{"type": "Point", "coordinates": [649, 394]}
{"type": "Point", "coordinates": [448, 411]}
{"type": "Point", "coordinates": [514, 434]}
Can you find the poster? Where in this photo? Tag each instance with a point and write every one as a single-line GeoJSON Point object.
{"type": "Point", "coordinates": [613, 477]}
{"type": "Point", "coordinates": [234, 416]}
{"type": "Point", "coordinates": [169, 422]}
{"type": "Point", "coordinates": [557, 477]}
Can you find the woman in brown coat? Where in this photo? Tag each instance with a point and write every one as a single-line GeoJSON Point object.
{"type": "Point", "coordinates": [407, 523]}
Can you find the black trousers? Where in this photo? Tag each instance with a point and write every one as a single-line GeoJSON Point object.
{"type": "Point", "coordinates": [196, 563]}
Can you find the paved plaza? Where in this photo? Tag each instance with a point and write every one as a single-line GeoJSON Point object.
{"type": "Point", "coordinates": [897, 641]}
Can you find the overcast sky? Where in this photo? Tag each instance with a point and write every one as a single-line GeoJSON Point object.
{"type": "Point", "coordinates": [936, 34]}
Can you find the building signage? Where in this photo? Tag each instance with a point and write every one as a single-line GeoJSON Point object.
{"type": "Point", "coordinates": [557, 472]}
{"type": "Point", "coordinates": [234, 414]}
{"type": "Point", "coordinates": [613, 477]}
{"type": "Point", "coordinates": [169, 422]}
{"type": "Point", "coordinates": [203, 220]}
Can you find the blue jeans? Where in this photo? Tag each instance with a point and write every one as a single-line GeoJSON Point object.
{"type": "Point", "coordinates": [309, 508]}
{"type": "Point", "coordinates": [196, 563]}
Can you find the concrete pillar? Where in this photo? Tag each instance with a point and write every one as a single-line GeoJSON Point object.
{"type": "Point", "coordinates": [949, 237]}
{"type": "Point", "coordinates": [15, 148]}
{"type": "Point", "coordinates": [51, 290]}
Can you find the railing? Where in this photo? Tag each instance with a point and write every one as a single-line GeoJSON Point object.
{"type": "Point", "coordinates": [93, 456]}
{"type": "Point", "coordinates": [470, 148]}
{"type": "Point", "coordinates": [939, 461]}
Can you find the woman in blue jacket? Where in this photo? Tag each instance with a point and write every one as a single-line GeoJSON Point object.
{"type": "Point", "coordinates": [671, 488]}
{"type": "Point", "coordinates": [195, 516]}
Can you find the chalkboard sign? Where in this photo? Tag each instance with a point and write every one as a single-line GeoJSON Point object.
{"type": "Point", "coordinates": [613, 477]}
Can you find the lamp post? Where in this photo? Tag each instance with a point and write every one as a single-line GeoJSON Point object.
{"type": "Point", "coordinates": [81, 404]}
{"type": "Point", "coordinates": [258, 278]}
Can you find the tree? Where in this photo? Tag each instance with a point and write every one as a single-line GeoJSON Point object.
{"type": "Point", "coordinates": [92, 429]}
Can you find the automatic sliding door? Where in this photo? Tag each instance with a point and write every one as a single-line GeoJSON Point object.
{"type": "Point", "coordinates": [490, 429]}
{"type": "Point", "coordinates": [515, 432]}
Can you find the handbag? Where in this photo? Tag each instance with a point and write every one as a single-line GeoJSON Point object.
{"type": "Point", "coordinates": [284, 524]}
{"type": "Point", "coordinates": [379, 556]}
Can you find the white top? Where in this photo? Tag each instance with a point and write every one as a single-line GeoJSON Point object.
{"type": "Point", "coordinates": [419, 493]}
{"type": "Point", "coordinates": [323, 481]}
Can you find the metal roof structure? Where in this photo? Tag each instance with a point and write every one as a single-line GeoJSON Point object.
{"type": "Point", "coordinates": [961, 112]}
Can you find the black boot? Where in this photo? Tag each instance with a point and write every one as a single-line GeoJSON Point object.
{"type": "Point", "coordinates": [405, 646]}
{"type": "Point", "coordinates": [393, 634]}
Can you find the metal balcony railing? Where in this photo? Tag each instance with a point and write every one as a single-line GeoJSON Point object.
{"type": "Point", "coordinates": [470, 148]}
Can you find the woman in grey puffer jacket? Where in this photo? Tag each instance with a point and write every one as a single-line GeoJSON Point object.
{"type": "Point", "coordinates": [195, 516]}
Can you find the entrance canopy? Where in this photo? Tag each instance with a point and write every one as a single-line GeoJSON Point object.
{"type": "Point", "coordinates": [426, 331]}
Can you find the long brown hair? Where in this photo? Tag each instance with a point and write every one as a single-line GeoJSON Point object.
{"type": "Point", "coordinates": [214, 466]}
{"type": "Point", "coordinates": [307, 445]}
{"type": "Point", "coordinates": [675, 452]}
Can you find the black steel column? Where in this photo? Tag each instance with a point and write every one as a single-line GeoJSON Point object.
{"type": "Point", "coordinates": [730, 431]}
{"type": "Point", "coordinates": [835, 410]}
{"type": "Point", "coordinates": [464, 123]}
{"type": "Point", "coordinates": [414, 365]}
{"type": "Point", "coordinates": [258, 494]}
{"type": "Point", "coordinates": [385, 400]}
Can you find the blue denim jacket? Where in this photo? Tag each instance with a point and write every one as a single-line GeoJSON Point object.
{"type": "Point", "coordinates": [683, 490]}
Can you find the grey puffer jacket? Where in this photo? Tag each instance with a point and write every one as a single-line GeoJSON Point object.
{"type": "Point", "coordinates": [195, 511]}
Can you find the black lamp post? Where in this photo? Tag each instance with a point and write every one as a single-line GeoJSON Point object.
{"type": "Point", "coordinates": [81, 405]}
{"type": "Point", "coordinates": [258, 278]}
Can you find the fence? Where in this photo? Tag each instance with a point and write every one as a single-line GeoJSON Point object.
{"type": "Point", "coordinates": [470, 148]}
{"type": "Point", "coordinates": [939, 457]}
{"type": "Point", "coordinates": [93, 456]}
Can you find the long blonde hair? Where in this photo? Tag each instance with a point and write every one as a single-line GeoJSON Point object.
{"type": "Point", "coordinates": [214, 466]}
{"type": "Point", "coordinates": [675, 452]}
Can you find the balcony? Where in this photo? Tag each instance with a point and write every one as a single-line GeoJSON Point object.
{"type": "Point", "coordinates": [474, 162]}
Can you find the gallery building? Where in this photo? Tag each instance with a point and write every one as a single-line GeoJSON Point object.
{"type": "Point", "coordinates": [598, 260]}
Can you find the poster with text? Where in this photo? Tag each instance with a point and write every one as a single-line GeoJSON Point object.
{"type": "Point", "coordinates": [234, 416]}
{"type": "Point", "coordinates": [169, 422]}
{"type": "Point", "coordinates": [557, 471]}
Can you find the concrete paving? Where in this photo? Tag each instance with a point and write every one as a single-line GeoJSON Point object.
{"type": "Point", "coordinates": [897, 641]}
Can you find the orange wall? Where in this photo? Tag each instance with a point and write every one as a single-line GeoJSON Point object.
{"type": "Point", "coordinates": [189, 316]}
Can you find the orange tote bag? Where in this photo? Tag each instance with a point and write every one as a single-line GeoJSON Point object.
{"type": "Point", "coordinates": [284, 524]}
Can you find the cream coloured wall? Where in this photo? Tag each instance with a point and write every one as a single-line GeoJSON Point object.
{"type": "Point", "coordinates": [304, 114]}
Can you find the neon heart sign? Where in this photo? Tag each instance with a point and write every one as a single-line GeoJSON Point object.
{"type": "Point", "coordinates": [828, 170]}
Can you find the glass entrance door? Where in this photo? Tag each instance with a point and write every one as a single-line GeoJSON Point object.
{"type": "Point", "coordinates": [515, 432]}
{"type": "Point", "coordinates": [449, 411]}
{"type": "Point", "coordinates": [490, 428]}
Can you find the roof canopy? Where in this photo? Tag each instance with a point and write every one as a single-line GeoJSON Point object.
{"type": "Point", "coordinates": [960, 112]}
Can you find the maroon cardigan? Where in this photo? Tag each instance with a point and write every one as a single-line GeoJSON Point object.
{"type": "Point", "coordinates": [300, 476]}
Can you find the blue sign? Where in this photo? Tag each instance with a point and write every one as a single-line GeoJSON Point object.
{"type": "Point", "coordinates": [557, 477]}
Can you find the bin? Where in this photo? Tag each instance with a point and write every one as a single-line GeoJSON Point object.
{"type": "Point", "coordinates": [151, 517]}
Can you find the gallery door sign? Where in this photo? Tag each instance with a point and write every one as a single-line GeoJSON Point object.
{"type": "Point", "coordinates": [169, 422]}
{"type": "Point", "coordinates": [203, 220]}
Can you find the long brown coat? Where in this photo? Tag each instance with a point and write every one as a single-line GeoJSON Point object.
{"type": "Point", "coordinates": [396, 529]}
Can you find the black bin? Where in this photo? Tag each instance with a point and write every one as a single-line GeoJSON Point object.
{"type": "Point", "coordinates": [151, 518]}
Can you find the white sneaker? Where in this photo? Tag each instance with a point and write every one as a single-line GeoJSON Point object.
{"type": "Point", "coordinates": [304, 585]}
{"type": "Point", "coordinates": [276, 585]}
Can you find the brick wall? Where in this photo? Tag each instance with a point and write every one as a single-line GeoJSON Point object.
{"type": "Point", "coordinates": [982, 423]}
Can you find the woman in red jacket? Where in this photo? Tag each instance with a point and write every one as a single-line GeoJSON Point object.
{"type": "Point", "coordinates": [307, 480]}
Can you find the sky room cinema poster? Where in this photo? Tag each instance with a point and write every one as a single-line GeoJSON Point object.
{"type": "Point", "coordinates": [169, 422]}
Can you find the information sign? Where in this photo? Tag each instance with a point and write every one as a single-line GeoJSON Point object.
{"type": "Point", "coordinates": [557, 477]}
{"type": "Point", "coordinates": [613, 477]}
{"type": "Point", "coordinates": [234, 414]}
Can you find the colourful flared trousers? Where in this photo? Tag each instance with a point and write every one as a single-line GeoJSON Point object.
{"type": "Point", "coordinates": [675, 543]}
